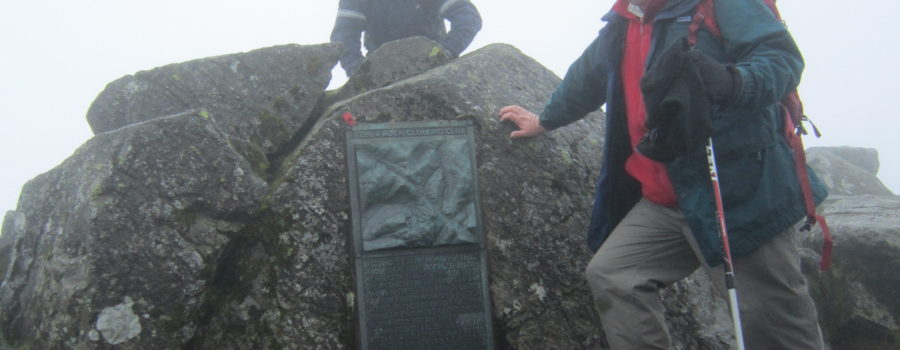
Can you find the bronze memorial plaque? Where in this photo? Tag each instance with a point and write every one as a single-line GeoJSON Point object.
{"type": "Point", "coordinates": [421, 274]}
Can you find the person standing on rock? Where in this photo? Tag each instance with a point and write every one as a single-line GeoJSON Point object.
{"type": "Point", "coordinates": [387, 20]}
{"type": "Point", "coordinates": [654, 223]}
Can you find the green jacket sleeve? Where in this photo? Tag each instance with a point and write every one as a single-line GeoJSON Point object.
{"type": "Point", "coordinates": [583, 90]}
{"type": "Point", "coordinates": [764, 52]}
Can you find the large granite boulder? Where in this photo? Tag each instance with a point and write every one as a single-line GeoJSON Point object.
{"type": "Point", "coordinates": [847, 170]}
{"type": "Point", "coordinates": [857, 299]}
{"type": "Point", "coordinates": [120, 244]}
{"type": "Point", "coordinates": [534, 215]}
{"type": "Point", "coordinates": [262, 96]}
{"type": "Point", "coordinates": [179, 232]}
{"type": "Point", "coordinates": [310, 296]}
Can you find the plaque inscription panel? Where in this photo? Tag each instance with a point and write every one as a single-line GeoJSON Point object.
{"type": "Point", "coordinates": [425, 301]}
{"type": "Point", "coordinates": [421, 275]}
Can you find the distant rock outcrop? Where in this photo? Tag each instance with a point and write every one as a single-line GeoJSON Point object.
{"type": "Point", "coordinates": [198, 228]}
{"type": "Point", "coordinates": [847, 170]}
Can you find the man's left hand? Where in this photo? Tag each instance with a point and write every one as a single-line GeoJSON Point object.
{"type": "Point", "coordinates": [723, 82]}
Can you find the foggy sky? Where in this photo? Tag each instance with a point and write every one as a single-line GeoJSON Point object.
{"type": "Point", "coordinates": [58, 55]}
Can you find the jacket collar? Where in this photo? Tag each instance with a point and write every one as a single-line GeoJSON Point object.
{"type": "Point", "coordinates": [672, 9]}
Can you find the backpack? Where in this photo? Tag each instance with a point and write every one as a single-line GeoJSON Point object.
{"type": "Point", "coordinates": [793, 126]}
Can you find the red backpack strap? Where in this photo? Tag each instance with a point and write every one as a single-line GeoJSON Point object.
{"type": "Point", "coordinates": [792, 135]}
{"type": "Point", "coordinates": [705, 15]}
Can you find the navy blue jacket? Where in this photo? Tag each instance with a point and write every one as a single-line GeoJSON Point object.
{"type": "Point", "coordinates": [388, 20]}
{"type": "Point", "coordinates": [760, 189]}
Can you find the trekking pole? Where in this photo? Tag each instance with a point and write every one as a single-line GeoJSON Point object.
{"type": "Point", "coordinates": [723, 232]}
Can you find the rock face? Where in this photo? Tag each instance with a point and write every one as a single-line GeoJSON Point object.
{"type": "Point", "coordinates": [858, 299]}
{"type": "Point", "coordinates": [309, 279]}
{"type": "Point", "coordinates": [263, 96]}
{"type": "Point", "coordinates": [526, 229]}
{"type": "Point", "coordinates": [187, 231]}
{"type": "Point", "coordinates": [120, 244]}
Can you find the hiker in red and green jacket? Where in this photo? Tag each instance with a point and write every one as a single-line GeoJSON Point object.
{"type": "Point", "coordinates": [655, 223]}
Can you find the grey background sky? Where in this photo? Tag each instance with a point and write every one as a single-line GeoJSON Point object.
{"type": "Point", "coordinates": [58, 55]}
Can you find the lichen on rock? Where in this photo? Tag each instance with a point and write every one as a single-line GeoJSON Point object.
{"type": "Point", "coordinates": [118, 324]}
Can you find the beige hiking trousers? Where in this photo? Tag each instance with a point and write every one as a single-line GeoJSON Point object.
{"type": "Point", "coordinates": [653, 248]}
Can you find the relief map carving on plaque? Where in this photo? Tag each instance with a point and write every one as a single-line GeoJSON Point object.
{"type": "Point", "coordinates": [416, 194]}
